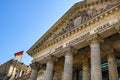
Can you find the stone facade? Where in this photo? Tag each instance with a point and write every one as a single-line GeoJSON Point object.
{"type": "Point", "coordinates": [83, 45]}
{"type": "Point", "coordinates": [13, 69]}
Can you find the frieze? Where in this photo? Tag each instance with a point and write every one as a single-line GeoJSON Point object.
{"type": "Point", "coordinates": [59, 48]}
{"type": "Point", "coordinates": [100, 28]}
{"type": "Point", "coordinates": [83, 36]}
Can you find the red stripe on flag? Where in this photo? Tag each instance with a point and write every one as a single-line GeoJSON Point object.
{"type": "Point", "coordinates": [19, 54]}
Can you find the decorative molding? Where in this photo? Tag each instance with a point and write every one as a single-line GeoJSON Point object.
{"type": "Point", "coordinates": [111, 55]}
{"type": "Point", "coordinates": [50, 58]}
{"type": "Point", "coordinates": [69, 50]}
{"type": "Point", "coordinates": [94, 37]}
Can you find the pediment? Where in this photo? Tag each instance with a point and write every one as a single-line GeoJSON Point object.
{"type": "Point", "coordinates": [81, 17]}
{"type": "Point", "coordinates": [76, 16]}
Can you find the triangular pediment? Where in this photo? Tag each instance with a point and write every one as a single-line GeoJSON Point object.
{"type": "Point", "coordinates": [77, 15]}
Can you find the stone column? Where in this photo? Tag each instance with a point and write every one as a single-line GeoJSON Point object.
{"type": "Point", "coordinates": [86, 70]}
{"type": "Point", "coordinates": [96, 72]}
{"type": "Point", "coordinates": [34, 72]}
{"type": "Point", "coordinates": [14, 72]}
{"type": "Point", "coordinates": [68, 65]}
{"type": "Point", "coordinates": [112, 67]}
{"type": "Point", "coordinates": [49, 68]}
{"type": "Point", "coordinates": [20, 73]}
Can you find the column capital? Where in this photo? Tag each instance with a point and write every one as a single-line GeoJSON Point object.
{"type": "Point", "coordinates": [85, 61]}
{"type": "Point", "coordinates": [95, 38]}
{"type": "Point", "coordinates": [35, 65]}
{"type": "Point", "coordinates": [69, 50]}
{"type": "Point", "coordinates": [111, 55]}
{"type": "Point", "coordinates": [50, 58]}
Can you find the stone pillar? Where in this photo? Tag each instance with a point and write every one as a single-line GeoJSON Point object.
{"type": "Point", "coordinates": [112, 67]}
{"type": "Point", "coordinates": [96, 72]}
{"type": "Point", "coordinates": [14, 73]}
{"type": "Point", "coordinates": [20, 73]}
{"type": "Point", "coordinates": [86, 70]}
{"type": "Point", "coordinates": [68, 65]}
{"type": "Point", "coordinates": [34, 72]}
{"type": "Point", "coordinates": [49, 68]}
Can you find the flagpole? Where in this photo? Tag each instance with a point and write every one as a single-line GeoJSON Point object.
{"type": "Point", "coordinates": [19, 54]}
{"type": "Point", "coordinates": [21, 59]}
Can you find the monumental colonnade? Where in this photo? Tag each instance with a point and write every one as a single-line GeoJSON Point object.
{"type": "Point", "coordinates": [95, 56]}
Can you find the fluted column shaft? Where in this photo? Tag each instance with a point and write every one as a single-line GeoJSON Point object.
{"type": "Point", "coordinates": [34, 72]}
{"type": "Point", "coordinates": [96, 73]}
{"type": "Point", "coordinates": [86, 70]}
{"type": "Point", "coordinates": [33, 75]}
{"type": "Point", "coordinates": [68, 67]}
{"type": "Point", "coordinates": [113, 73]}
{"type": "Point", "coordinates": [49, 71]}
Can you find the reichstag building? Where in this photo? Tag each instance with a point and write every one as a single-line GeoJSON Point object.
{"type": "Point", "coordinates": [84, 44]}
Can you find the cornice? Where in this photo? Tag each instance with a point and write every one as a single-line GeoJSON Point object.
{"type": "Point", "coordinates": [73, 31]}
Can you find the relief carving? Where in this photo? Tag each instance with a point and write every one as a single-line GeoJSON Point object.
{"type": "Point", "coordinates": [79, 18]}
{"type": "Point", "coordinates": [69, 26]}
{"type": "Point", "coordinates": [84, 16]}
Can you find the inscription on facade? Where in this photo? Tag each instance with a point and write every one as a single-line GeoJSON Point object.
{"type": "Point", "coordinates": [58, 48]}
{"type": "Point", "coordinates": [83, 36]}
{"type": "Point", "coordinates": [100, 28]}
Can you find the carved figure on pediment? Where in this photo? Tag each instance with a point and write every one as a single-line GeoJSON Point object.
{"type": "Point", "coordinates": [70, 25]}
{"type": "Point", "coordinates": [85, 16]}
{"type": "Point", "coordinates": [109, 6]}
{"type": "Point", "coordinates": [54, 36]}
{"type": "Point", "coordinates": [78, 14]}
{"type": "Point", "coordinates": [94, 12]}
{"type": "Point", "coordinates": [63, 31]}
{"type": "Point", "coordinates": [81, 16]}
{"type": "Point", "coordinates": [102, 10]}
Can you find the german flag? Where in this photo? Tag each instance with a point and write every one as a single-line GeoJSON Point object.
{"type": "Point", "coordinates": [18, 54]}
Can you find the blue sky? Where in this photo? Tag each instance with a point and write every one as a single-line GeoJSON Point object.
{"type": "Point", "coordinates": [23, 22]}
